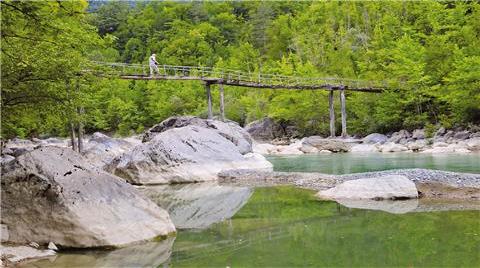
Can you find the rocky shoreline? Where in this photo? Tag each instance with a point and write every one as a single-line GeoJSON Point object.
{"type": "Point", "coordinates": [68, 199]}
{"type": "Point", "coordinates": [272, 140]}
{"type": "Point", "coordinates": [431, 183]}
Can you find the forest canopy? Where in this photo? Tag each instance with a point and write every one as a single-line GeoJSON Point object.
{"type": "Point", "coordinates": [429, 51]}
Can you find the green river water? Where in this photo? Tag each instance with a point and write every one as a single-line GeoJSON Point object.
{"type": "Point", "coordinates": [287, 227]}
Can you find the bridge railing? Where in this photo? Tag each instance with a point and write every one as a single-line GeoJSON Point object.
{"type": "Point", "coordinates": [233, 76]}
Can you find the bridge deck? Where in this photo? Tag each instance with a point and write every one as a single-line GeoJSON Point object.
{"type": "Point", "coordinates": [234, 78]}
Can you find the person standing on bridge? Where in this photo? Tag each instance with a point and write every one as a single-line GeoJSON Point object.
{"type": "Point", "coordinates": [153, 65]}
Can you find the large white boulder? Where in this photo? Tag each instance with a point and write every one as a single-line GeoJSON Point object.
{"type": "Point", "coordinates": [229, 130]}
{"type": "Point", "coordinates": [53, 194]}
{"type": "Point", "coordinates": [386, 187]}
{"type": "Point", "coordinates": [185, 154]}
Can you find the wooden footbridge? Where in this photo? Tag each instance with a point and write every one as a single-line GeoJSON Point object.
{"type": "Point", "coordinates": [217, 76]}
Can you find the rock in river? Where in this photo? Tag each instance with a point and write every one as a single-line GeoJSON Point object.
{"type": "Point", "coordinates": [229, 130]}
{"type": "Point", "coordinates": [54, 194]}
{"type": "Point", "coordinates": [185, 154]}
{"type": "Point", "coordinates": [386, 187]}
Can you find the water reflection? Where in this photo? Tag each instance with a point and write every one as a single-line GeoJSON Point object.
{"type": "Point", "coordinates": [198, 205]}
{"type": "Point", "coordinates": [150, 254]}
{"type": "Point", "coordinates": [344, 163]}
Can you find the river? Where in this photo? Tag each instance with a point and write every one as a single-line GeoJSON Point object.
{"type": "Point", "coordinates": [283, 226]}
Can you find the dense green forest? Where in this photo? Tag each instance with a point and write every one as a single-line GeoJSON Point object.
{"type": "Point", "coordinates": [429, 51]}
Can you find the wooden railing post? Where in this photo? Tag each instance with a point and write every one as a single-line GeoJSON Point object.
{"type": "Point", "coordinates": [209, 100]}
{"type": "Point", "coordinates": [344, 112]}
{"type": "Point", "coordinates": [332, 113]}
{"type": "Point", "coordinates": [222, 104]}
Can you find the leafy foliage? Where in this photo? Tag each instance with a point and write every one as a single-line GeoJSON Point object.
{"type": "Point", "coordinates": [427, 52]}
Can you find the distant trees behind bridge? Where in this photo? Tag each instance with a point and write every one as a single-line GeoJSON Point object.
{"type": "Point", "coordinates": [430, 51]}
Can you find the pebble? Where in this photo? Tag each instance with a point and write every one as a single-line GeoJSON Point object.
{"type": "Point", "coordinates": [34, 245]}
{"type": "Point", "coordinates": [52, 246]}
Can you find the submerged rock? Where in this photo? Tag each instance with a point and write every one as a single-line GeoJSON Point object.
{"type": "Point", "coordinates": [53, 195]}
{"type": "Point", "coordinates": [185, 154]}
{"type": "Point", "coordinates": [387, 187]}
{"type": "Point", "coordinates": [198, 205]}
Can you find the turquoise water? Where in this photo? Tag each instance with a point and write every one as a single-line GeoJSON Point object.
{"type": "Point", "coordinates": [288, 227]}
{"type": "Point", "coordinates": [344, 163]}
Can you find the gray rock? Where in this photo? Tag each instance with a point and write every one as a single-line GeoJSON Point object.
{"type": "Point", "coordinates": [387, 187]}
{"type": "Point", "coordinates": [327, 144]}
{"type": "Point", "coordinates": [449, 134]}
{"type": "Point", "coordinates": [198, 205]}
{"type": "Point", "coordinates": [185, 154]}
{"type": "Point", "coordinates": [265, 129]}
{"type": "Point", "coordinates": [440, 132]}
{"type": "Point", "coordinates": [230, 130]}
{"type": "Point", "coordinates": [462, 135]}
{"type": "Point", "coordinates": [364, 148]}
{"type": "Point", "coordinates": [418, 134]}
{"type": "Point", "coordinates": [399, 136]}
{"type": "Point", "coordinates": [34, 245]}
{"type": "Point", "coordinates": [475, 135]}
{"type": "Point", "coordinates": [52, 246]}
{"type": "Point", "coordinates": [4, 233]}
{"type": "Point", "coordinates": [100, 149]}
{"type": "Point", "coordinates": [391, 147]}
{"type": "Point", "coordinates": [417, 145]}
{"type": "Point", "coordinates": [4, 159]}
{"type": "Point", "coordinates": [15, 254]}
{"type": "Point", "coordinates": [53, 194]}
{"type": "Point", "coordinates": [375, 138]}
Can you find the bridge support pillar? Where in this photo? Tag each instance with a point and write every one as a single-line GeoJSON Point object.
{"type": "Point", "coordinates": [222, 104]}
{"type": "Point", "coordinates": [209, 100]}
{"type": "Point", "coordinates": [344, 113]}
{"type": "Point", "coordinates": [332, 114]}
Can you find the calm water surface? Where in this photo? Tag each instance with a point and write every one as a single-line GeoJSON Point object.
{"type": "Point", "coordinates": [344, 163]}
{"type": "Point", "coordinates": [288, 227]}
